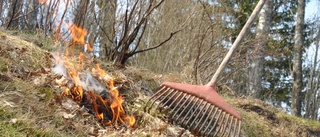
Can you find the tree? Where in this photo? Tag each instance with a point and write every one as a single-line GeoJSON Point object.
{"type": "Point", "coordinates": [14, 11]}
{"type": "Point", "coordinates": [297, 61]}
{"type": "Point", "coordinates": [259, 52]}
{"type": "Point", "coordinates": [32, 9]}
{"type": "Point", "coordinates": [310, 98]}
{"type": "Point", "coordinates": [133, 23]}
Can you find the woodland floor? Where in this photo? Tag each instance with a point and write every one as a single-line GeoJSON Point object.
{"type": "Point", "coordinates": [29, 94]}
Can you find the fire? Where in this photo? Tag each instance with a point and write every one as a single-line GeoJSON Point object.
{"type": "Point", "coordinates": [78, 36]}
{"type": "Point", "coordinates": [108, 109]}
{"type": "Point", "coordinates": [42, 1]}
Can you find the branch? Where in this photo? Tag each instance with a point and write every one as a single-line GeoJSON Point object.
{"type": "Point", "coordinates": [160, 44]}
{"type": "Point", "coordinates": [139, 39]}
{"type": "Point", "coordinates": [166, 40]}
{"type": "Point", "coordinates": [102, 28]}
{"type": "Point", "coordinates": [132, 36]}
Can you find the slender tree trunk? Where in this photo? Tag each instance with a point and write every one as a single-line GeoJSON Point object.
{"type": "Point", "coordinates": [15, 21]}
{"type": "Point", "coordinates": [10, 13]}
{"type": "Point", "coordinates": [297, 61]}
{"type": "Point", "coordinates": [316, 98]}
{"type": "Point", "coordinates": [257, 65]}
{"type": "Point", "coordinates": [1, 12]}
{"type": "Point", "coordinates": [81, 13]}
{"type": "Point", "coordinates": [310, 103]}
{"type": "Point", "coordinates": [32, 17]}
{"type": "Point", "coordinates": [107, 32]}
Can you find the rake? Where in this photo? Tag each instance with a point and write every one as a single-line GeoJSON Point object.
{"type": "Point", "coordinates": [199, 108]}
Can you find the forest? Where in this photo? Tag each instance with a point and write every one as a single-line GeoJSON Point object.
{"type": "Point", "coordinates": [277, 61]}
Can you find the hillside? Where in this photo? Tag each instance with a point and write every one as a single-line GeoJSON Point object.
{"type": "Point", "coordinates": [31, 103]}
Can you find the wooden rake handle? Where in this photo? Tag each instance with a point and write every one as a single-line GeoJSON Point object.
{"type": "Point", "coordinates": [237, 42]}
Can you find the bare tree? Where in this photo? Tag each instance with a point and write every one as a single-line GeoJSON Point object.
{"type": "Point", "coordinates": [81, 13]}
{"type": "Point", "coordinates": [32, 9]}
{"type": "Point", "coordinates": [297, 61]}
{"type": "Point", "coordinates": [311, 88]}
{"type": "Point", "coordinates": [133, 23]}
{"type": "Point", "coordinates": [14, 11]}
{"type": "Point", "coordinates": [259, 52]}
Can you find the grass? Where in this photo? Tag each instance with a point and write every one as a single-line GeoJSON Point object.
{"type": "Point", "coordinates": [13, 124]}
{"type": "Point", "coordinates": [46, 93]}
{"type": "Point", "coordinates": [28, 106]}
{"type": "Point", "coordinates": [298, 120]}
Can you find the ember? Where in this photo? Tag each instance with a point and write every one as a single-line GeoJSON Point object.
{"type": "Point", "coordinates": [85, 87]}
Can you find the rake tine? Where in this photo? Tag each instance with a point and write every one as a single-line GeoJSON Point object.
{"type": "Point", "coordinates": [183, 96]}
{"type": "Point", "coordinates": [203, 106]}
{"type": "Point", "coordinates": [191, 112]}
{"type": "Point", "coordinates": [163, 91]}
{"type": "Point", "coordinates": [236, 133]}
{"type": "Point", "coordinates": [211, 120]}
{"type": "Point", "coordinates": [165, 97]}
{"type": "Point", "coordinates": [193, 105]}
{"type": "Point", "coordinates": [215, 121]}
{"type": "Point", "coordinates": [172, 98]}
{"type": "Point", "coordinates": [175, 99]}
{"type": "Point", "coordinates": [224, 128]}
{"type": "Point", "coordinates": [230, 125]}
{"type": "Point", "coordinates": [157, 95]}
{"type": "Point", "coordinates": [186, 106]}
{"type": "Point", "coordinates": [203, 116]}
{"type": "Point", "coordinates": [239, 128]}
{"type": "Point", "coordinates": [183, 104]}
{"type": "Point", "coordinates": [219, 124]}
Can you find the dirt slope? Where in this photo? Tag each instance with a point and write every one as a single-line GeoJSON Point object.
{"type": "Point", "coordinates": [30, 103]}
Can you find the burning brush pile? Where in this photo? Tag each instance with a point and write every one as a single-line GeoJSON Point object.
{"type": "Point", "coordinates": [91, 88]}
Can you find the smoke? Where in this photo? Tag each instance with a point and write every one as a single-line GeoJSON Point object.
{"type": "Point", "coordinates": [87, 81]}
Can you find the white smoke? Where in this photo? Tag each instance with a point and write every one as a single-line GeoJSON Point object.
{"type": "Point", "coordinates": [87, 81]}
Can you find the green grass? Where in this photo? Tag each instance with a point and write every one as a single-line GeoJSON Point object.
{"type": "Point", "coordinates": [20, 128]}
{"type": "Point", "coordinates": [299, 120]}
{"type": "Point", "coordinates": [46, 92]}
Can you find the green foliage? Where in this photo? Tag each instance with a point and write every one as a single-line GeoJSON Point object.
{"type": "Point", "coordinates": [46, 93]}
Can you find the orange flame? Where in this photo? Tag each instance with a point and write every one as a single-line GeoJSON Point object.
{"type": "Point", "coordinates": [42, 1]}
{"type": "Point", "coordinates": [78, 36]}
{"type": "Point", "coordinates": [107, 110]}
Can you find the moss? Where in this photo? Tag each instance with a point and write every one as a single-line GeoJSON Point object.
{"type": "Point", "coordinates": [253, 127]}
{"type": "Point", "coordinates": [3, 67]}
{"type": "Point", "coordinates": [18, 128]}
{"type": "Point", "coordinates": [21, 85]}
{"type": "Point", "coordinates": [298, 120]}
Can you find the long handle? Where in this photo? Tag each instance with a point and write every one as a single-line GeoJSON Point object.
{"type": "Point", "coordinates": [237, 42]}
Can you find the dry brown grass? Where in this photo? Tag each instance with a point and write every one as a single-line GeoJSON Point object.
{"type": "Point", "coordinates": [29, 102]}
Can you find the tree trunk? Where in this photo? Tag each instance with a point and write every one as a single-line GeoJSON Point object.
{"type": "Point", "coordinates": [107, 16]}
{"type": "Point", "coordinates": [32, 17]}
{"type": "Point", "coordinates": [81, 13]}
{"type": "Point", "coordinates": [1, 12]}
{"type": "Point", "coordinates": [15, 19]}
{"type": "Point", "coordinates": [310, 104]}
{"type": "Point", "coordinates": [257, 65]}
{"type": "Point", "coordinates": [10, 13]}
{"type": "Point", "coordinates": [297, 61]}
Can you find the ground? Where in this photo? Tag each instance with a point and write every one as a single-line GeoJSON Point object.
{"type": "Point", "coordinates": [31, 104]}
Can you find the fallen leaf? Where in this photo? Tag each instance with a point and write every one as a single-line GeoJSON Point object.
{"type": "Point", "coordinates": [67, 115]}
{"type": "Point", "coordinates": [13, 121]}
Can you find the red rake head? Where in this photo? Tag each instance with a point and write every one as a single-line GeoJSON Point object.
{"type": "Point", "coordinates": [206, 92]}
{"type": "Point", "coordinates": [197, 108]}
